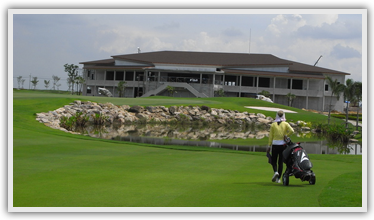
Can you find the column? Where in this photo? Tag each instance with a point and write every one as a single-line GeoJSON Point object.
{"type": "Point", "coordinates": [307, 96]}
{"type": "Point", "coordinates": [274, 90]}
{"type": "Point", "coordinates": [240, 86]}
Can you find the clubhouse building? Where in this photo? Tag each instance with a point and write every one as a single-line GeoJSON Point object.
{"type": "Point", "coordinates": [210, 74]}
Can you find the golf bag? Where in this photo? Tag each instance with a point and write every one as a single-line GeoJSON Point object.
{"type": "Point", "coordinates": [298, 163]}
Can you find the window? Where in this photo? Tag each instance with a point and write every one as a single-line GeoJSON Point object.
{"type": "Point", "coordinates": [247, 81]}
{"type": "Point", "coordinates": [264, 82]}
{"type": "Point", "coordinates": [110, 75]}
{"type": "Point", "coordinates": [129, 76]}
{"type": "Point", "coordinates": [88, 90]}
{"type": "Point", "coordinates": [326, 87]}
{"type": "Point", "coordinates": [296, 84]}
{"type": "Point", "coordinates": [230, 80]}
{"type": "Point", "coordinates": [119, 75]}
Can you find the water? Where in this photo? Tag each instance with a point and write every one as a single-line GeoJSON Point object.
{"type": "Point", "coordinates": [211, 136]}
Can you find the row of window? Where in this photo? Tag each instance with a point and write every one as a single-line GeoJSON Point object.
{"type": "Point", "coordinates": [263, 82]}
{"type": "Point", "coordinates": [119, 75]}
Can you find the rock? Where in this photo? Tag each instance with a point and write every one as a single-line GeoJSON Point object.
{"type": "Point", "coordinates": [240, 116]}
{"type": "Point", "coordinates": [125, 107]}
{"type": "Point", "coordinates": [206, 108]}
{"type": "Point", "coordinates": [264, 121]}
{"type": "Point", "coordinates": [136, 109]}
{"type": "Point", "coordinates": [125, 114]}
{"type": "Point", "coordinates": [173, 109]}
{"type": "Point", "coordinates": [152, 109]}
{"type": "Point", "coordinates": [141, 115]}
{"type": "Point", "coordinates": [221, 121]}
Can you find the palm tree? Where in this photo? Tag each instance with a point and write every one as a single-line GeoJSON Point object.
{"type": "Point", "coordinates": [349, 91]}
{"type": "Point", "coordinates": [79, 81]}
{"type": "Point", "coordinates": [336, 89]}
{"type": "Point", "coordinates": [121, 88]}
{"type": "Point", "coordinates": [358, 98]}
{"type": "Point", "coordinates": [290, 98]}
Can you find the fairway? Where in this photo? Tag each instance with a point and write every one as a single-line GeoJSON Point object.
{"type": "Point", "coordinates": [52, 168]}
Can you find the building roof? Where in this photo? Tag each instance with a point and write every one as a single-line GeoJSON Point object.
{"type": "Point", "coordinates": [219, 60]}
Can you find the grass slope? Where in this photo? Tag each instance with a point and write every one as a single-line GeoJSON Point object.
{"type": "Point", "coordinates": [56, 169]}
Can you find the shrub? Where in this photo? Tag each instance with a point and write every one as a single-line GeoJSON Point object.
{"type": "Point", "coordinates": [334, 132]}
{"type": "Point", "coordinates": [99, 119]}
{"type": "Point", "coordinates": [77, 120]}
{"type": "Point", "coordinates": [67, 122]}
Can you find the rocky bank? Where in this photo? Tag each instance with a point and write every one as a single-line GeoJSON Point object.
{"type": "Point", "coordinates": [127, 115]}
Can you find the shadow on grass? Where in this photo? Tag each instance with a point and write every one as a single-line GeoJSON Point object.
{"type": "Point", "coordinates": [270, 184]}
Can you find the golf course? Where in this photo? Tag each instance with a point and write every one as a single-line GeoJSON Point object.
{"type": "Point", "coordinates": [52, 168]}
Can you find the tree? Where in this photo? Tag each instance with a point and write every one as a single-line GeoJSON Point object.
{"type": "Point", "coordinates": [79, 81]}
{"type": "Point", "coordinates": [46, 84]}
{"type": "Point", "coordinates": [336, 89]}
{"type": "Point", "coordinates": [121, 88]}
{"type": "Point", "coordinates": [19, 80]}
{"type": "Point", "coordinates": [22, 81]}
{"type": "Point", "coordinates": [220, 93]}
{"type": "Point", "coordinates": [171, 90]}
{"type": "Point", "coordinates": [72, 71]}
{"type": "Point", "coordinates": [55, 81]}
{"type": "Point", "coordinates": [264, 93]}
{"type": "Point", "coordinates": [348, 97]}
{"type": "Point", "coordinates": [34, 81]}
{"type": "Point", "coordinates": [290, 98]}
{"type": "Point", "coordinates": [69, 82]}
{"type": "Point", "coordinates": [358, 98]}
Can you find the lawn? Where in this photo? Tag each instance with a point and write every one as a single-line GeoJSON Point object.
{"type": "Point", "coordinates": [56, 169]}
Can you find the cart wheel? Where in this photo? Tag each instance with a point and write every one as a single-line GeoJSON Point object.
{"type": "Point", "coordinates": [285, 179]}
{"type": "Point", "coordinates": [312, 180]}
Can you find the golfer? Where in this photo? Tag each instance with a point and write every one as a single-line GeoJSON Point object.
{"type": "Point", "coordinates": [279, 128]}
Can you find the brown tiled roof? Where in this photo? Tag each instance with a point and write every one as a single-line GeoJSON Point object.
{"type": "Point", "coordinates": [300, 67]}
{"type": "Point", "coordinates": [204, 58]}
{"type": "Point", "coordinates": [220, 60]}
{"type": "Point", "coordinates": [105, 62]}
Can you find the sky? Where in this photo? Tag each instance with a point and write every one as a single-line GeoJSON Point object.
{"type": "Point", "coordinates": [45, 40]}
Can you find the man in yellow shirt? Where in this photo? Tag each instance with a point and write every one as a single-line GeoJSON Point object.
{"type": "Point", "coordinates": [278, 130]}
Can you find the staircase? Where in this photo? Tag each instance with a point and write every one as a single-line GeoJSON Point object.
{"type": "Point", "coordinates": [175, 85]}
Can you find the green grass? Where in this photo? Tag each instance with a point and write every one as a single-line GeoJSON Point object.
{"type": "Point", "coordinates": [57, 169]}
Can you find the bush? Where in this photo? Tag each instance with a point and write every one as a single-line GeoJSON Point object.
{"type": "Point", "coordinates": [350, 116]}
{"type": "Point", "coordinates": [99, 119]}
{"type": "Point", "coordinates": [334, 132]}
{"type": "Point", "coordinates": [77, 120]}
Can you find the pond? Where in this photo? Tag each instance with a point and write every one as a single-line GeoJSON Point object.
{"type": "Point", "coordinates": [228, 137]}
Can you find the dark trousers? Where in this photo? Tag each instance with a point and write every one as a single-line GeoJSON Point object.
{"type": "Point", "coordinates": [277, 158]}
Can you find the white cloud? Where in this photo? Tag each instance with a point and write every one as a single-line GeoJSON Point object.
{"type": "Point", "coordinates": [284, 24]}
{"type": "Point", "coordinates": [320, 19]}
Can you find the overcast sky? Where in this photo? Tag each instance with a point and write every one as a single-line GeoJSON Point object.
{"type": "Point", "coordinates": [43, 43]}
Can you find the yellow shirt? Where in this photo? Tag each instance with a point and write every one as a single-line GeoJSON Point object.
{"type": "Point", "coordinates": [277, 132]}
